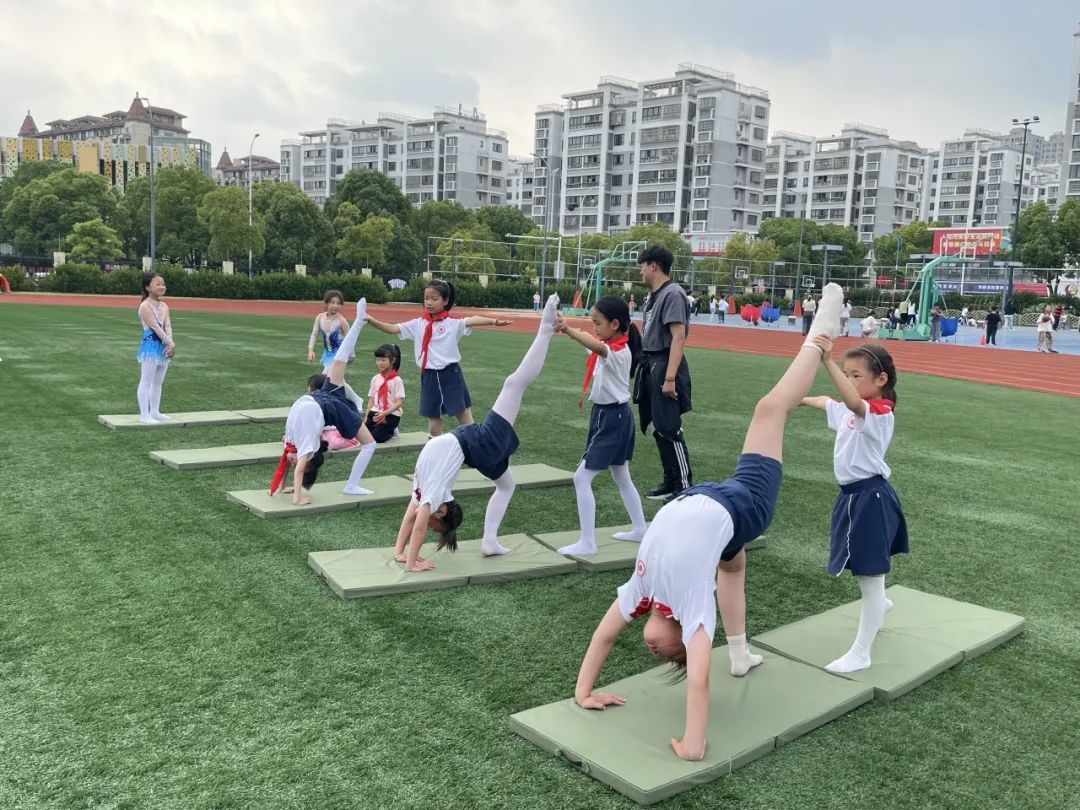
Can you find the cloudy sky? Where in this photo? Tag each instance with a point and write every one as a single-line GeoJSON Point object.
{"type": "Point", "coordinates": [924, 70]}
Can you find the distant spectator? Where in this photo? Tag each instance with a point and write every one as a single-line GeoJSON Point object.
{"type": "Point", "coordinates": [935, 324]}
{"type": "Point", "coordinates": [632, 303]}
{"type": "Point", "coordinates": [845, 314]}
{"type": "Point", "coordinates": [869, 325]}
{"type": "Point", "coordinates": [1045, 329]}
{"type": "Point", "coordinates": [721, 309]}
{"type": "Point", "coordinates": [536, 301]}
{"type": "Point", "coordinates": [1059, 311]}
{"type": "Point", "coordinates": [903, 312]}
{"type": "Point", "coordinates": [712, 308]}
{"type": "Point", "coordinates": [993, 321]}
{"type": "Point", "coordinates": [808, 308]}
{"type": "Point", "coordinates": [1010, 311]}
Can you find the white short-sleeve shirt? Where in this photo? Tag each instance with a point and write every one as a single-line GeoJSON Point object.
{"type": "Point", "coordinates": [443, 349]}
{"type": "Point", "coordinates": [868, 325]}
{"type": "Point", "coordinates": [675, 572]}
{"type": "Point", "coordinates": [611, 377]}
{"type": "Point", "coordinates": [304, 425]}
{"type": "Point", "coordinates": [395, 390]}
{"type": "Point", "coordinates": [436, 470]}
{"type": "Point", "coordinates": [860, 446]}
{"type": "Point", "coordinates": [1047, 325]}
{"type": "Point", "coordinates": [845, 311]}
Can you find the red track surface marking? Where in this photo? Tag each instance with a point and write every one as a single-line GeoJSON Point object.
{"type": "Point", "coordinates": [1052, 374]}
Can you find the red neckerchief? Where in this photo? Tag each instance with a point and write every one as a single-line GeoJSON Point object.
{"type": "Point", "coordinates": [282, 468]}
{"type": "Point", "coordinates": [383, 394]}
{"type": "Point", "coordinates": [879, 407]}
{"type": "Point", "coordinates": [442, 316]}
{"type": "Point", "coordinates": [615, 344]}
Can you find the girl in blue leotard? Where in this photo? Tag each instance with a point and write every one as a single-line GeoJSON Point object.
{"type": "Point", "coordinates": [155, 350]}
{"type": "Point", "coordinates": [330, 326]}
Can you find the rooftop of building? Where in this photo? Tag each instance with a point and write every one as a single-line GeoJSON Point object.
{"type": "Point", "coordinates": [139, 110]}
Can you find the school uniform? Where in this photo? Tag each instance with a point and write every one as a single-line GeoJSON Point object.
{"type": "Point", "coordinates": [395, 390]}
{"type": "Point", "coordinates": [675, 572]}
{"type": "Point", "coordinates": [442, 383]}
{"type": "Point", "coordinates": [868, 524]}
{"type": "Point", "coordinates": [486, 447]}
{"type": "Point", "coordinates": [610, 440]}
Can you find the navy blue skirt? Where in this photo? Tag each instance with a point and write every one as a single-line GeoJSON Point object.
{"type": "Point", "coordinates": [337, 410]}
{"type": "Point", "coordinates": [443, 392]}
{"type": "Point", "coordinates": [749, 496]}
{"type": "Point", "coordinates": [611, 436]}
{"type": "Point", "coordinates": [868, 527]}
{"type": "Point", "coordinates": [488, 446]}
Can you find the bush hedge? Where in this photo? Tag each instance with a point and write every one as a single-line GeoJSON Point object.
{"type": "Point", "coordinates": [284, 286]}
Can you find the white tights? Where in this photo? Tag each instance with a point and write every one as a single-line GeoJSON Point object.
{"type": "Point", "coordinates": [149, 392]}
{"type": "Point", "coordinates": [586, 506]}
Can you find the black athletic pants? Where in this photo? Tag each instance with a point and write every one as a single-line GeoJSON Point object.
{"type": "Point", "coordinates": [665, 416]}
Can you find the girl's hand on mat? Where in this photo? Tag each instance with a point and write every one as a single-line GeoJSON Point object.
{"type": "Point", "coordinates": [422, 565]}
{"type": "Point", "coordinates": [682, 752]}
{"type": "Point", "coordinates": [600, 701]}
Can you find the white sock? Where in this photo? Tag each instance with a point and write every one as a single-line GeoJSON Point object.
{"type": "Point", "coordinates": [360, 463]}
{"type": "Point", "coordinates": [631, 499]}
{"type": "Point", "coordinates": [496, 511]}
{"type": "Point", "coordinates": [827, 318]}
{"type": "Point", "coordinates": [508, 403]}
{"type": "Point", "coordinates": [872, 612]}
{"type": "Point", "coordinates": [742, 660]}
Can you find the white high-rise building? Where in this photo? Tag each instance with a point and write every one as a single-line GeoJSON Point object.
{"type": "Point", "coordinates": [452, 155]}
{"type": "Point", "coordinates": [1046, 186]}
{"type": "Point", "coordinates": [519, 184]}
{"type": "Point", "coordinates": [861, 179]}
{"type": "Point", "coordinates": [1070, 160]}
{"type": "Point", "coordinates": [976, 179]}
{"type": "Point", "coordinates": [687, 151]}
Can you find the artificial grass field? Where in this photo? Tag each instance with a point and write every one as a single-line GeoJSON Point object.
{"type": "Point", "coordinates": [162, 648]}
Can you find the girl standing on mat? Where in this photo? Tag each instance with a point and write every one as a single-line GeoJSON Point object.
{"type": "Point", "coordinates": [693, 552]}
{"type": "Point", "coordinates": [868, 525]}
{"type": "Point", "coordinates": [330, 326]}
{"type": "Point", "coordinates": [486, 447]}
{"type": "Point", "coordinates": [613, 356]}
{"type": "Point", "coordinates": [310, 415]}
{"type": "Point", "coordinates": [155, 351]}
{"type": "Point", "coordinates": [386, 394]}
{"type": "Point", "coordinates": [436, 336]}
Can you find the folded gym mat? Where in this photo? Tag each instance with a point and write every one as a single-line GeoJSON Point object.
{"type": "Point", "coordinates": [327, 497]}
{"type": "Point", "coordinates": [360, 573]}
{"type": "Point", "coordinates": [238, 455]}
{"type": "Point", "coordinates": [923, 636]}
{"type": "Point", "coordinates": [266, 414]}
{"type": "Point", "coordinates": [627, 747]}
{"type": "Point", "coordinates": [175, 420]}
{"type": "Point", "coordinates": [611, 554]}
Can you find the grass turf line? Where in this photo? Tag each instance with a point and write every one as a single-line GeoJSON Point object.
{"type": "Point", "coordinates": [161, 648]}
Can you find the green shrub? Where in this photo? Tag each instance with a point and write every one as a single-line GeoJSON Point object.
{"type": "Point", "coordinates": [75, 278]}
{"type": "Point", "coordinates": [18, 280]}
{"type": "Point", "coordinates": [124, 281]}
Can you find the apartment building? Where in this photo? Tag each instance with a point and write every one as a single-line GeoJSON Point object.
{"type": "Point", "coordinates": [976, 180]}
{"type": "Point", "coordinates": [453, 155]}
{"type": "Point", "coordinates": [687, 151]}
{"type": "Point", "coordinates": [115, 145]}
{"type": "Point", "coordinates": [1046, 185]}
{"type": "Point", "coordinates": [1054, 150]}
{"type": "Point", "coordinates": [235, 173]}
{"type": "Point", "coordinates": [861, 179]}
{"type": "Point", "coordinates": [1069, 187]}
{"type": "Point", "coordinates": [519, 184]}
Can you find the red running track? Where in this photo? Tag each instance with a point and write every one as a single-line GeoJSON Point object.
{"type": "Point", "coordinates": [1051, 374]}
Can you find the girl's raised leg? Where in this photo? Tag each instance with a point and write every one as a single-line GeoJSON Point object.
{"type": "Point", "coordinates": [336, 372]}
{"type": "Point", "coordinates": [765, 435]}
{"type": "Point", "coordinates": [508, 402]}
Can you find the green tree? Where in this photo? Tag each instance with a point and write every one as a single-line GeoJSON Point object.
{"type": "Point", "coordinates": [737, 248]}
{"type": "Point", "coordinates": [405, 253]}
{"type": "Point", "coordinates": [657, 233]}
{"type": "Point", "coordinates": [41, 213]}
{"type": "Point", "coordinates": [474, 251]}
{"type": "Point", "coordinates": [24, 175]}
{"type": "Point", "coordinates": [93, 241]}
{"type": "Point", "coordinates": [297, 231]}
{"type": "Point", "coordinates": [503, 220]}
{"type": "Point", "coordinates": [788, 233]}
{"type": "Point", "coordinates": [178, 192]}
{"type": "Point", "coordinates": [439, 218]}
{"type": "Point", "coordinates": [1039, 245]}
{"type": "Point", "coordinates": [372, 193]}
{"type": "Point", "coordinates": [916, 238]}
{"type": "Point", "coordinates": [347, 215]}
{"type": "Point", "coordinates": [224, 214]}
{"type": "Point", "coordinates": [367, 244]}
{"type": "Point", "coordinates": [1068, 228]}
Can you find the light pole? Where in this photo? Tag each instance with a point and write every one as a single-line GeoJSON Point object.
{"type": "Point", "coordinates": [826, 249]}
{"type": "Point", "coordinates": [1027, 122]}
{"type": "Point", "coordinates": [251, 147]}
{"type": "Point", "coordinates": [153, 223]}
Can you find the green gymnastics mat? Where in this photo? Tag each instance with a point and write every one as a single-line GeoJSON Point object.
{"type": "Point", "coordinates": [359, 573]}
{"type": "Point", "coordinates": [628, 747]}
{"type": "Point", "coordinates": [923, 636]}
{"type": "Point", "coordinates": [611, 554]}
{"type": "Point", "coordinates": [327, 497]}
{"type": "Point", "coordinates": [238, 455]}
{"type": "Point", "coordinates": [130, 421]}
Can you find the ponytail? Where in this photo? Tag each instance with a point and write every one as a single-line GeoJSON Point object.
{"type": "Point", "coordinates": [392, 353]}
{"type": "Point", "coordinates": [311, 471]}
{"type": "Point", "coordinates": [615, 308]}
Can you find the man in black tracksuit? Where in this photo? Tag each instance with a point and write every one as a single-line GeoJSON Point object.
{"type": "Point", "coordinates": [662, 387]}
